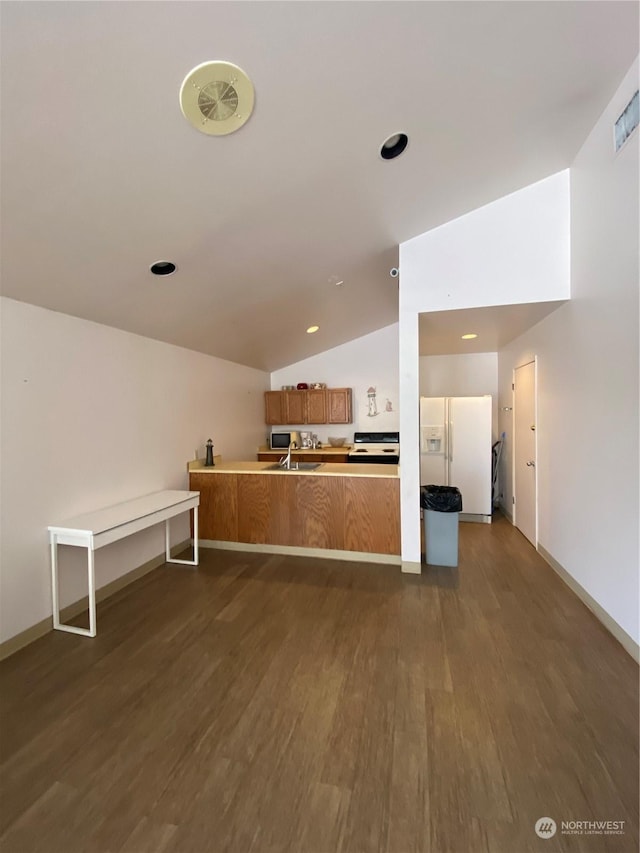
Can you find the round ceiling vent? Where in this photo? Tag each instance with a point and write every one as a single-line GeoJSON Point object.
{"type": "Point", "coordinates": [217, 97]}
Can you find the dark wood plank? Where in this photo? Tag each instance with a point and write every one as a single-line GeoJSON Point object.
{"type": "Point", "coordinates": [268, 704]}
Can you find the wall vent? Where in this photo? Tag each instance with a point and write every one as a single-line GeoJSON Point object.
{"type": "Point", "coordinates": [626, 123]}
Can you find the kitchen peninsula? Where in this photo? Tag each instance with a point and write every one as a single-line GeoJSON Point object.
{"type": "Point", "coordinates": [337, 510]}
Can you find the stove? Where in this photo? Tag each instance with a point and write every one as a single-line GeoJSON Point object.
{"type": "Point", "coordinates": [375, 448]}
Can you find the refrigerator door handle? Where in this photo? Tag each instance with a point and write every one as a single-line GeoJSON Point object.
{"type": "Point", "coordinates": [450, 441]}
{"type": "Point", "coordinates": [447, 473]}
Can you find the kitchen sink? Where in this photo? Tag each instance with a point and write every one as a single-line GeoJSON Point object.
{"type": "Point", "coordinates": [295, 466]}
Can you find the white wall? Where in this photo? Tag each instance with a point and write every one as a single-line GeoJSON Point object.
{"type": "Point", "coordinates": [471, 374]}
{"type": "Point", "coordinates": [371, 360]}
{"type": "Point", "coordinates": [514, 250]}
{"type": "Point", "coordinates": [588, 382]}
{"type": "Point", "coordinates": [92, 416]}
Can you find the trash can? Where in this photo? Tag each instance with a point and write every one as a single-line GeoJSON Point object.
{"type": "Point", "coordinates": [441, 506]}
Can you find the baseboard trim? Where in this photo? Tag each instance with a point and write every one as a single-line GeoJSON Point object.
{"type": "Point", "coordinates": [24, 638]}
{"type": "Point", "coordinates": [505, 512]}
{"type": "Point", "coordinates": [474, 518]}
{"type": "Point", "coordinates": [296, 551]}
{"type": "Point", "coordinates": [627, 642]}
{"type": "Point", "coordinates": [410, 567]}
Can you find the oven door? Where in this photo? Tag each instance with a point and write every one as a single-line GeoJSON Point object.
{"type": "Point", "coordinates": [374, 458]}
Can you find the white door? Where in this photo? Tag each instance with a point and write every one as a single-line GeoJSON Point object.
{"type": "Point", "coordinates": [470, 452]}
{"type": "Point", "coordinates": [524, 451]}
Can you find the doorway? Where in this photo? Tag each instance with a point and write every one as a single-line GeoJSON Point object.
{"type": "Point", "coordinates": [525, 478]}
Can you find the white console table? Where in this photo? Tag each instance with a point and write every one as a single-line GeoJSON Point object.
{"type": "Point", "coordinates": [93, 530]}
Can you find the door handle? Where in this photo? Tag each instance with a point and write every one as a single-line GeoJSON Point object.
{"type": "Point", "coordinates": [531, 464]}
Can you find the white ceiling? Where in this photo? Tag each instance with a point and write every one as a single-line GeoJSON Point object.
{"type": "Point", "coordinates": [440, 332]}
{"type": "Point", "coordinates": [102, 175]}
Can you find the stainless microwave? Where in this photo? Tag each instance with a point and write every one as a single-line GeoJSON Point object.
{"type": "Point", "coordinates": [282, 440]}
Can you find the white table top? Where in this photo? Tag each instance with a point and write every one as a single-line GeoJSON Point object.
{"type": "Point", "coordinates": [114, 516]}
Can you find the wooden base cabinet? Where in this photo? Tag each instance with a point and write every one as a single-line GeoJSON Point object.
{"type": "Point", "coordinates": [305, 457]}
{"type": "Point", "coordinates": [218, 511]}
{"type": "Point", "coordinates": [313, 406]}
{"type": "Point", "coordinates": [309, 511]}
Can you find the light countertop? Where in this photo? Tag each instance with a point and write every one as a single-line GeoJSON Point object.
{"type": "Point", "coordinates": [326, 469]}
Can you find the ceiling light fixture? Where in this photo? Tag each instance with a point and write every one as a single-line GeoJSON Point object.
{"type": "Point", "coordinates": [312, 329]}
{"type": "Point", "coordinates": [163, 268]}
{"type": "Point", "coordinates": [469, 337]}
{"type": "Point", "coordinates": [217, 97]}
{"type": "Point", "coordinates": [394, 146]}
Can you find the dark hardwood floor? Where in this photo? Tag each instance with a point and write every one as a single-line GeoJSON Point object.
{"type": "Point", "coordinates": [267, 703]}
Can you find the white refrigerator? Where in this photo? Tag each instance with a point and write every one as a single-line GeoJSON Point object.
{"type": "Point", "coordinates": [455, 449]}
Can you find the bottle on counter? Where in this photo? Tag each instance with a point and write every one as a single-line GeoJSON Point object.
{"type": "Point", "coordinates": [209, 463]}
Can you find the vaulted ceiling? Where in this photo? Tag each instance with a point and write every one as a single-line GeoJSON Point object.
{"type": "Point", "coordinates": [102, 175]}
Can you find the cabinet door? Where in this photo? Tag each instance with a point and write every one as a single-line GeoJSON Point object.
{"type": "Point", "coordinates": [316, 406]}
{"type": "Point", "coordinates": [274, 410]}
{"type": "Point", "coordinates": [338, 458]}
{"type": "Point", "coordinates": [295, 407]}
{"type": "Point", "coordinates": [218, 510]}
{"type": "Point", "coordinates": [339, 405]}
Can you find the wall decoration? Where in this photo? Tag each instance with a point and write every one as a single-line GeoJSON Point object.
{"type": "Point", "coordinates": [373, 405]}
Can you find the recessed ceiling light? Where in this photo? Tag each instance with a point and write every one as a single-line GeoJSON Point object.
{"type": "Point", "coordinates": [394, 146]}
{"type": "Point", "coordinates": [312, 329]}
{"type": "Point", "coordinates": [162, 268]}
{"type": "Point", "coordinates": [339, 283]}
{"type": "Point", "coordinates": [469, 337]}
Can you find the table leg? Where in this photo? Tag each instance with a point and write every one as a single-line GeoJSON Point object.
{"type": "Point", "coordinates": [92, 591]}
{"type": "Point", "coordinates": [55, 596]}
{"type": "Point", "coordinates": [195, 535]}
{"type": "Point", "coordinates": [167, 550]}
{"type": "Point", "coordinates": [54, 580]}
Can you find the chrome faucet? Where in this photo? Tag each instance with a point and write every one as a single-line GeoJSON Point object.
{"type": "Point", "coordinates": [285, 462]}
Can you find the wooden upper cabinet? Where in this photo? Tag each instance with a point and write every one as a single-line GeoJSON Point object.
{"type": "Point", "coordinates": [339, 406]}
{"type": "Point", "coordinates": [295, 407]}
{"type": "Point", "coordinates": [274, 407]}
{"type": "Point", "coordinates": [314, 406]}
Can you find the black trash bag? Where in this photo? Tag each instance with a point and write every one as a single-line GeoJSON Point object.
{"type": "Point", "coordinates": [441, 498]}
